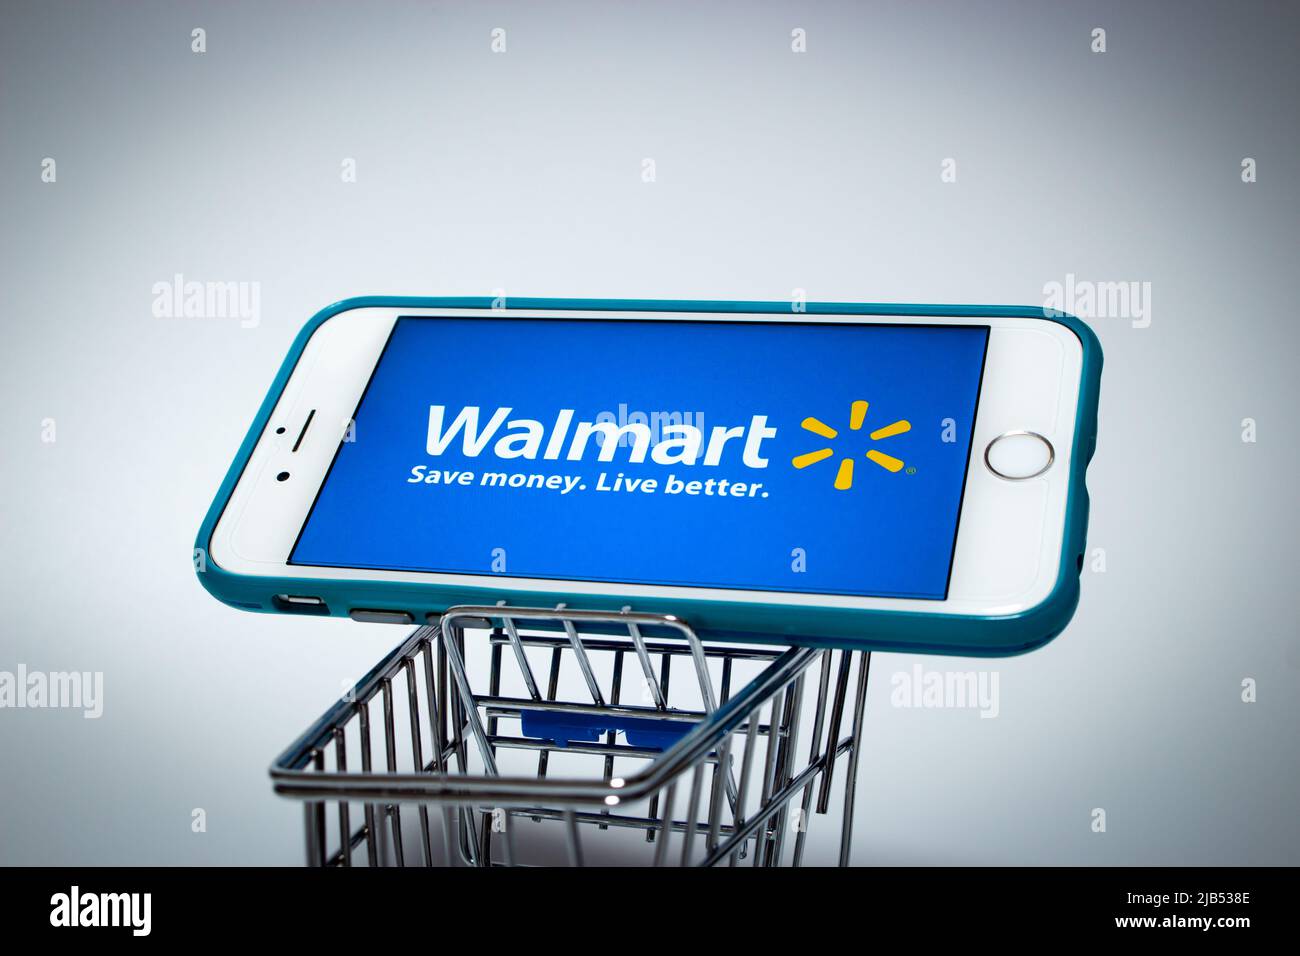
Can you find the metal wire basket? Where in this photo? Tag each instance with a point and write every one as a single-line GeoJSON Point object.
{"type": "Point", "coordinates": [700, 769]}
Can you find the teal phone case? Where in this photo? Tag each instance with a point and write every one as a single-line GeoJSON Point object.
{"type": "Point", "coordinates": [713, 620]}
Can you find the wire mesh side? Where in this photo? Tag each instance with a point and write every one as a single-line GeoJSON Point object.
{"type": "Point", "coordinates": [446, 775]}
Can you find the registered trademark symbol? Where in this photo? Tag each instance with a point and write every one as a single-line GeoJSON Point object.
{"type": "Point", "coordinates": [911, 470]}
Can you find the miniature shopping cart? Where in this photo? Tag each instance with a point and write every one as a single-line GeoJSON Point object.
{"type": "Point", "coordinates": [588, 738]}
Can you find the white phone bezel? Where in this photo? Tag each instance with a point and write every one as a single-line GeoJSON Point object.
{"type": "Point", "coordinates": [1007, 554]}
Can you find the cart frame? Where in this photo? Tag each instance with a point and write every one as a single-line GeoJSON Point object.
{"type": "Point", "coordinates": [479, 804]}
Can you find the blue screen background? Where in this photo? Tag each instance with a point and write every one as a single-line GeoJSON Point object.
{"type": "Point", "coordinates": [889, 535]}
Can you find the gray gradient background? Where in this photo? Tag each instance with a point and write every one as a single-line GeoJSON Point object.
{"type": "Point", "coordinates": [775, 171]}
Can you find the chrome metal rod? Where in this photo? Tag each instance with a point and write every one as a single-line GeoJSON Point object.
{"type": "Point", "coordinates": [584, 663]}
{"type": "Point", "coordinates": [467, 697]}
{"type": "Point", "coordinates": [647, 669]}
{"type": "Point", "coordinates": [851, 778]}
{"type": "Point", "coordinates": [776, 801]}
{"type": "Point", "coordinates": [694, 746]}
{"type": "Point", "coordinates": [513, 634]}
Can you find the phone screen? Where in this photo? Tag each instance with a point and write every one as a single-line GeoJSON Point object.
{"type": "Point", "coordinates": [797, 457]}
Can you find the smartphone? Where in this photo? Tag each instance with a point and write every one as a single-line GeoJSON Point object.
{"type": "Point", "coordinates": [900, 477]}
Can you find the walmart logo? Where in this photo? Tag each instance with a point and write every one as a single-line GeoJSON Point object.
{"type": "Point", "coordinates": [857, 415]}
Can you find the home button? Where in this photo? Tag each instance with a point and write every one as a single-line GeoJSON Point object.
{"type": "Point", "coordinates": [1019, 455]}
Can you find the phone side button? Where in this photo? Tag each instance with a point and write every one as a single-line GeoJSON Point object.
{"type": "Point", "coordinates": [368, 616]}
